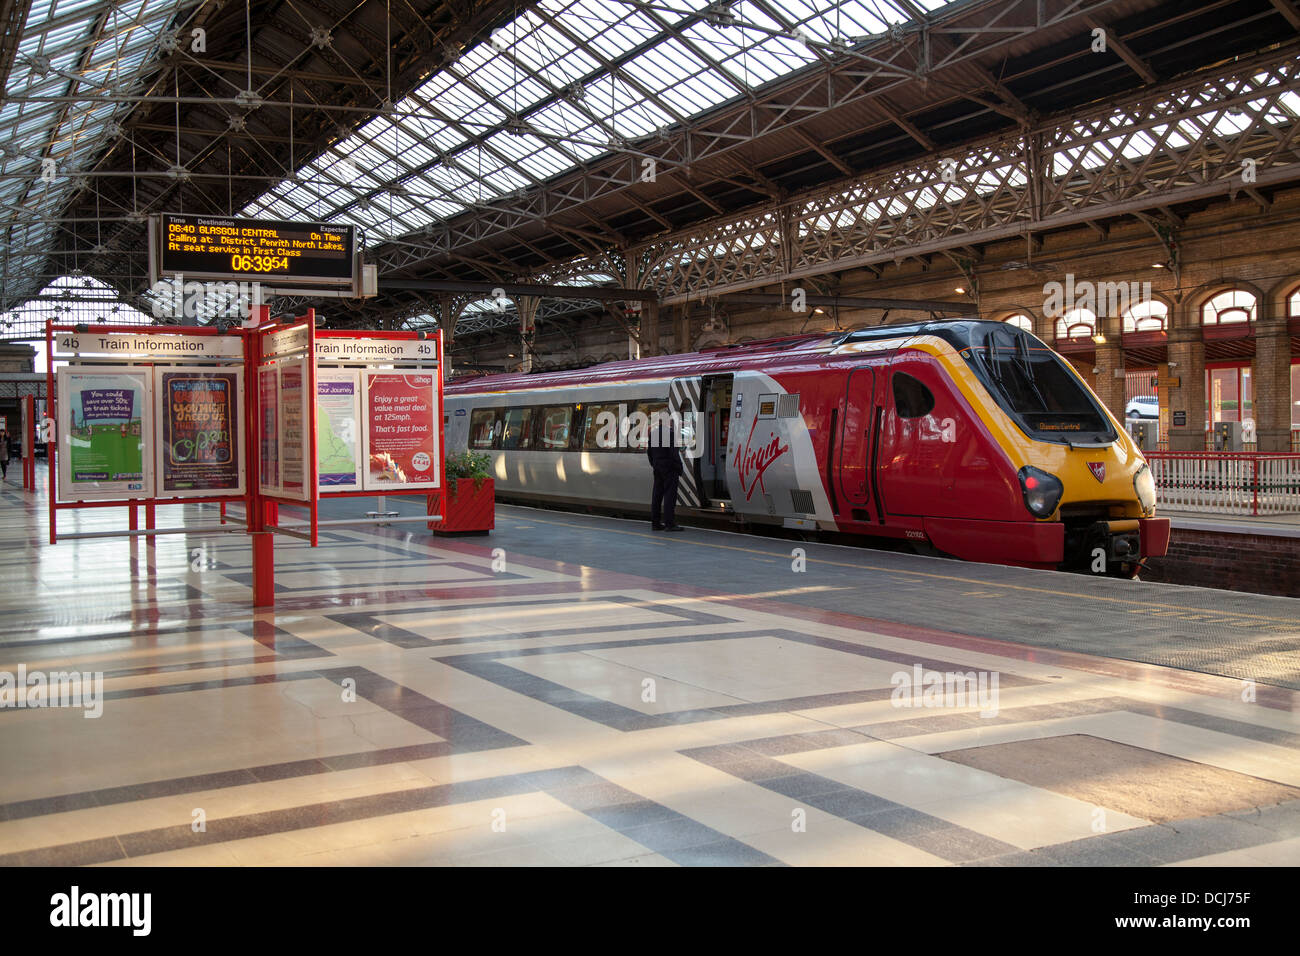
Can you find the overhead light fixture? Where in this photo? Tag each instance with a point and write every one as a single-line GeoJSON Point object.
{"type": "Point", "coordinates": [1099, 339]}
{"type": "Point", "coordinates": [1157, 265]}
{"type": "Point", "coordinates": [819, 311]}
{"type": "Point", "coordinates": [960, 290]}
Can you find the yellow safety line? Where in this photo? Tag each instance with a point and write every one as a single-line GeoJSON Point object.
{"type": "Point", "coordinates": [943, 577]}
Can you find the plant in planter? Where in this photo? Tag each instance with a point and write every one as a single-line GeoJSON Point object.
{"type": "Point", "coordinates": [469, 502]}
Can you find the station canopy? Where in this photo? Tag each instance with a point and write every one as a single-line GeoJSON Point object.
{"type": "Point", "coordinates": [434, 128]}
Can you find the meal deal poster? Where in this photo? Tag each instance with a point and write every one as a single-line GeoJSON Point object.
{"type": "Point", "coordinates": [402, 431]}
{"type": "Point", "coordinates": [200, 420]}
{"type": "Point", "coordinates": [268, 395]}
{"type": "Point", "coordinates": [338, 430]}
{"type": "Point", "coordinates": [105, 422]}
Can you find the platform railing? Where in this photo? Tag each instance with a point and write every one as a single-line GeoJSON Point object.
{"type": "Point", "coordinates": [1229, 483]}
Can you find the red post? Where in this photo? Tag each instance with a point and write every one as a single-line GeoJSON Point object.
{"type": "Point", "coordinates": [133, 517]}
{"type": "Point", "coordinates": [263, 569]}
{"type": "Point", "coordinates": [149, 523]}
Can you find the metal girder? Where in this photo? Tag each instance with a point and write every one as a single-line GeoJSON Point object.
{"type": "Point", "coordinates": [966, 33]}
{"type": "Point", "coordinates": [847, 302]}
{"type": "Point", "coordinates": [596, 293]}
{"type": "Point", "coordinates": [1167, 145]}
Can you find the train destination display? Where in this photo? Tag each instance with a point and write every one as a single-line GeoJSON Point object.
{"type": "Point", "coordinates": [273, 252]}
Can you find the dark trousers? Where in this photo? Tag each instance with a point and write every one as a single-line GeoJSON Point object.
{"type": "Point", "coordinates": [663, 499]}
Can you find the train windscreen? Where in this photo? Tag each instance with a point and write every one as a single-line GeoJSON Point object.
{"type": "Point", "coordinates": [1032, 383]}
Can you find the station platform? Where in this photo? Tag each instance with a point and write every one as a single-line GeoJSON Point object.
{"type": "Point", "coordinates": [574, 690]}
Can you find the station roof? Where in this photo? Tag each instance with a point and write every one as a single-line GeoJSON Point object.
{"type": "Point", "coordinates": [486, 140]}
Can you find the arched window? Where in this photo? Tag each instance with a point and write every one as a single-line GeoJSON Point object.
{"type": "Point", "coordinates": [1232, 305]}
{"type": "Point", "coordinates": [1076, 324]}
{"type": "Point", "coordinates": [1150, 316]}
{"type": "Point", "coordinates": [1021, 321]}
{"type": "Point", "coordinates": [1293, 305]}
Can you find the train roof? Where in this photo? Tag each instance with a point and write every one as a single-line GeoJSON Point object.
{"type": "Point", "coordinates": [723, 357]}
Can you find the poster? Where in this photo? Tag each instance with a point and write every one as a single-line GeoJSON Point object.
{"type": "Point", "coordinates": [338, 432]}
{"type": "Point", "coordinates": [402, 431]}
{"type": "Point", "coordinates": [293, 436]}
{"type": "Point", "coordinates": [268, 389]}
{"type": "Point", "coordinates": [105, 423]}
{"type": "Point", "coordinates": [200, 419]}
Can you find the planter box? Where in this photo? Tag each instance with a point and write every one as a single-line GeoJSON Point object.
{"type": "Point", "coordinates": [469, 510]}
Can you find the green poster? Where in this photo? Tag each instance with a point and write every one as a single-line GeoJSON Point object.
{"type": "Point", "coordinates": [105, 428]}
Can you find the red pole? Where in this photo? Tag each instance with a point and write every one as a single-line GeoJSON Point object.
{"type": "Point", "coordinates": [51, 447]}
{"type": "Point", "coordinates": [255, 509]}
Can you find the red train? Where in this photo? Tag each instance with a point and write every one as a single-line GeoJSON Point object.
{"type": "Point", "coordinates": [968, 438]}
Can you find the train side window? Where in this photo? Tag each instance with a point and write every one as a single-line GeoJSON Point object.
{"type": "Point", "coordinates": [600, 430]}
{"type": "Point", "coordinates": [556, 420]}
{"type": "Point", "coordinates": [911, 397]}
{"type": "Point", "coordinates": [517, 429]}
{"type": "Point", "coordinates": [483, 427]}
{"type": "Point", "coordinates": [638, 439]}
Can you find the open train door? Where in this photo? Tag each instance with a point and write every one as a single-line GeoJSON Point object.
{"type": "Point", "coordinates": [857, 434]}
{"type": "Point", "coordinates": [684, 399]}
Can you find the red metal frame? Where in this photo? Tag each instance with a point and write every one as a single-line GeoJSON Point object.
{"type": "Point", "coordinates": [261, 510]}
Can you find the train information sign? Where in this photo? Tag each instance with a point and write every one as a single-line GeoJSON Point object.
{"type": "Point", "coordinates": [269, 251]}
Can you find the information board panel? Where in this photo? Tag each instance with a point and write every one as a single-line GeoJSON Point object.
{"type": "Point", "coordinates": [268, 429]}
{"type": "Point", "coordinates": [207, 247]}
{"type": "Point", "coordinates": [133, 346]}
{"type": "Point", "coordinates": [282, 433]}
{"type": "Point", "coordinates": [201, 431]}
{"type": "Point", "coordinates": [105, 429]}
{"type": "Point", "coordinates": [338, 429]}
{"type": "Point", "coordinates": [402, 432]}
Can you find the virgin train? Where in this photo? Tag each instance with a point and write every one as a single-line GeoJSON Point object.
{"type": "Point", "coordinates": [967, 438]}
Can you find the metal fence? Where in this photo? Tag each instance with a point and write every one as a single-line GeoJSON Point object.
{"type": "Point", "coordinates": [1229, 483]}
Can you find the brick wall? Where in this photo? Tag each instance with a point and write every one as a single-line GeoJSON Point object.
{"type": "Point", "coordinates": [1234, 562]}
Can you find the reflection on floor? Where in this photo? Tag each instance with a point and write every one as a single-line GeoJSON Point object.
{"type": "Point", "coordinates": [427, 701]}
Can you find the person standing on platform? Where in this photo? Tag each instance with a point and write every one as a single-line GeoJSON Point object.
{"type": "Point", "coordinates": [4, 454]}
{"type": "Point", "coordinates": [667, 465]}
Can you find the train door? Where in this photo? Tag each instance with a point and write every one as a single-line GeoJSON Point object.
{"type": "Point", "coordinates": [715, 429]}
{"type": "Point", "coordinates": [855, 473]}
{"type": "Point", "coordinates": [685, 399]}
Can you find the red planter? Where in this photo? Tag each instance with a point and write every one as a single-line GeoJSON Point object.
{"type": "Point", "coordinates": [468, 510]}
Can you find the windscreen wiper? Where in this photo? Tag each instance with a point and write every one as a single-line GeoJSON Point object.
{"type": "Point", "coordinates": [1022, 355]}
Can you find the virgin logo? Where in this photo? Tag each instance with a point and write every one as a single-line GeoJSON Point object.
{"type": "Point", "coordinates": [750, 463]}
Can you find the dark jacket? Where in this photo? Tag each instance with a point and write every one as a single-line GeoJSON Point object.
{"type": "Point", "coordinates": [665, 441]}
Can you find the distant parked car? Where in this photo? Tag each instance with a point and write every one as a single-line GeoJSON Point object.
{"type": "Point", "coordinates": [1143, 406]}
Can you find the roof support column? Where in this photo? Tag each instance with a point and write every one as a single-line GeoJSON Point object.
{"type": "Point", "coordinates": [527, 308]}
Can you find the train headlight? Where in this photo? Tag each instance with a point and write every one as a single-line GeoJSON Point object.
{"type": "Point", "coordinates": [1042, 491]}
{"type": "Point", "coordinates": [1144, 485]}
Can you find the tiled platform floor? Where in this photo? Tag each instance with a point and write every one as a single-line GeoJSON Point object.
{"type": "Point", "coordinates": [427, 701]}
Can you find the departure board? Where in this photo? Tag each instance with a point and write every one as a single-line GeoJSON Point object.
{"type": "Point", "coordinates": [272, 252]}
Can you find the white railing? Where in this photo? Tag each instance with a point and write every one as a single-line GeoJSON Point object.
{"type": "Point", "coordinates": [1229, 483]}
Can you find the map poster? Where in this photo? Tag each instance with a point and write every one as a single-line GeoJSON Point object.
{"type": "Point", "coordinates": [268, 426]}
{"type": "Point", "coordinates": [105, 423]}
{"type": "Point", "coordinates": [200, 420]}
{"type": "Point", "coordinates": [338, 431]}
{"type": "Point", "coordinates": [293, 436]}
{"type": "Point", "coordinates": [402, 431]}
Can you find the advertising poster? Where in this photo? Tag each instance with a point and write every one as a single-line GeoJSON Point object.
{"type": "Point", "coordinates": [200, 422]}
{"type": "Point", "coordinates": [293, 436]}
{"type": "Point", "coordinates": [338, 430]}
{"type": "Point", "coordinates": [402, 431]}
{"type": "Point", "coordinates": [105, 423]}
{"type": "Point", "coordinates": [268, 390]}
